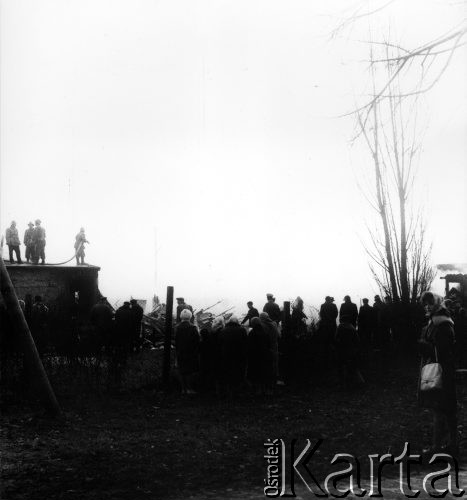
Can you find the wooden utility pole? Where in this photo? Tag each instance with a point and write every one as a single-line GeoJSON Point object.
{"type": "Point", "coordinates": [32, 359]}
{"type": "Point", "coordinates": [168, 335]}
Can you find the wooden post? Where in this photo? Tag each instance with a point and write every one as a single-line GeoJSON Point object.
{"type": "Point", "coordinates": [31, 356]}
{"type": "Point", "coordinates": [168, 335]}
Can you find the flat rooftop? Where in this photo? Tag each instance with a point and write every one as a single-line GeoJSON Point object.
{"type": "Point", "coordinates": [46, 266]}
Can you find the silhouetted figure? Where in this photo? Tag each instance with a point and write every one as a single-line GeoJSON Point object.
{"type": "Point", "coordinates": [181, 305]}
{"type": "Point", "coordinates": [349, 311]}
{"type": "Point", "coordinates": [437, 345]}
{"type": "Point", "coordinates": [187, 346]}
{"type": "Point", "coordinates": [270, 327]}
{"type": "Point", "coordinates": [272, 309]}
{"type": "Point", "coordinates": [348, 353]}
{"type": "Point", "coordinates": [38, 237]}
{"type": "Point", "coordinates": [101, 318]}
{"type": "Point", "coordinates": [326, 333]}
{"type": "Point", "coordinates": [122, 338]}
{"type": "Point", "coordinates": [234, 351]}
{"type": "Point", "coordinates": [80, 240]}
{"type": "Point", "coordinates": [378, 306]}
{"type": "Point", "coordinates": [136, 317]}
{"type": "Point", "coordinates": [289, 342]}
{"type": "Point", "coordinates": [366, 323]}
{"type": "Point", "coordinates": [328, 315]}
{"type": "Point", "coordinates": [252, 313]}
{"type": "Point", "coordinates": [211, 354]}
{"type": "Point", "coordinates": [259, 357]}
{"type": "Point", "coordinates": [12, 240]}
{"type": "Point", "coordinates": [28, 241]}
{"type": "Point", "coordinates": [298, 318]}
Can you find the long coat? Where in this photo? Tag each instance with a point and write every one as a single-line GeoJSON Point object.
{"type": "Point", "coordinates": [187, 346]}
{"type": "Point", "coordinates": [439, 334]}
{"type": "Point", "coordinates": [233, 341]}
{"type": "Point", "coordinates": [28, 237]}
{"type": "Point", "coordinates": [11, 236]}
{"type": "Point", "coordinates": [273, 310]}
{"type": "Point", "coordinates": [349, 310]}
{"type": "Point", "coordinates": [80, 240]}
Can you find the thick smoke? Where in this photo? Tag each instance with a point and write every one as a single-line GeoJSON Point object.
{"type": "Point", "coordinates": [454, 268]}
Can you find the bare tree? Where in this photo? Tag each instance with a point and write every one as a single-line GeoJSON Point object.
{"type": "Point", "coordinates": [399, 253]}
{"type": "Point", "coordinates": [419, 67]}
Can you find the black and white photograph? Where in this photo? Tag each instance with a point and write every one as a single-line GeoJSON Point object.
{"type": "Point", "coordinates": [233, 249]}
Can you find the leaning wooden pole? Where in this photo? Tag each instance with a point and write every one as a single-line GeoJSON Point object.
{"type": "Point", "coordinates": [31, 356]}
{"type": "Point", "coordinates": [168, 335]}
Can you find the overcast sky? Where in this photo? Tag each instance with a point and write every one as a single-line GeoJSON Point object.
{"type": "Point", "coordinates": [208, 132]}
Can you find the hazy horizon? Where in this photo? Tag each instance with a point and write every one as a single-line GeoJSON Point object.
{"type": "Point", "coordinates": [200, 144]}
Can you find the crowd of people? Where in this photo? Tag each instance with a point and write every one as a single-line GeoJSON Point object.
{"type": "Point", "coordinates": [274, 348]}
{"type": "Point", "coordinates": [226, 356]}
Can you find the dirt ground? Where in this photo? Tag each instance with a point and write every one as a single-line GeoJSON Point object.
{"type": "Point", "coordinates": [148, 445]}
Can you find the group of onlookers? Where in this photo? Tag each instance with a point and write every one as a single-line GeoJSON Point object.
{"type": "Point", "coordinates": [225, 355]}
{"type": "Point", "coordinates": [120, 332]}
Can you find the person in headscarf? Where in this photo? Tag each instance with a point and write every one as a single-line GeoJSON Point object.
{"type": "Point", "coordinates": [298, 318]}
{"type": "Point", "coordinates": [270, 327]}
{"type": "Point", "coordinates": [437, 345]}
{"type": "Point", "coordinates": [233, 342]}
{"type": "Point", "coordinates": [259, 356]}
{"type": "Point", "coordinates": [292, 334]}
{"type": "Point", "coordinates": [187, 347]}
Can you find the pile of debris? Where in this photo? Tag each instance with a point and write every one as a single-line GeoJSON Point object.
{"type": "Point", "coordinates": [154, 322]}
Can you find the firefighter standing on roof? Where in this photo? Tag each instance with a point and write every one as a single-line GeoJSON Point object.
{"type": "Point", "coordinates": [38, 237]}
{"type": "Point", "coordinates": [80, 240]}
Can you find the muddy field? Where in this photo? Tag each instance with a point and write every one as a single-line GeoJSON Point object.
{"type": "Point", "coordinates": [152, 445]}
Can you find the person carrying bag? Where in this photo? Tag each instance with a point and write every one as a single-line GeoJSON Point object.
{"type": "Point", "coordinates": [431, 381]}
{"type": "Point", "coordinates": [437, 385]}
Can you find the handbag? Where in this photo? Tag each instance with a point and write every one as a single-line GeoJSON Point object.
{"type": "Point", "coordinates": [431, 376]}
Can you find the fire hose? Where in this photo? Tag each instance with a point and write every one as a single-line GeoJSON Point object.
{"type": "Point", "coordinates": [69, 260]}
